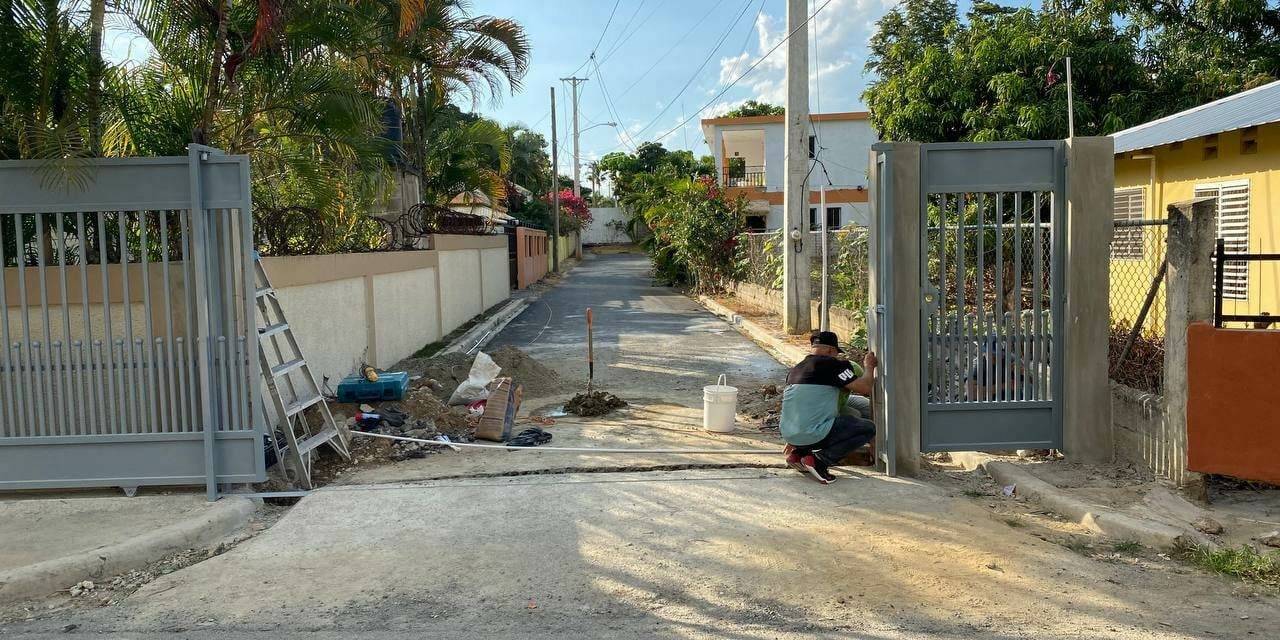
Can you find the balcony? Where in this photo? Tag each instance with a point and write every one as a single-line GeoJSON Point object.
{"type": "Point", "coordinates": [744, 176]}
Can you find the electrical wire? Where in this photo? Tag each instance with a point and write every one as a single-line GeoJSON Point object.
{"type": "Point", "coordinates": [626, 138]}
{"type": "Point", "coordinates": [592, 55]}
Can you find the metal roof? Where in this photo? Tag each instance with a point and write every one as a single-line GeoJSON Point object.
{"type": "Point", "coordinates": [1259, 105]}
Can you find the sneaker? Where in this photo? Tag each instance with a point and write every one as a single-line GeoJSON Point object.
{"type": "Point", "coordinates": [816, 469]}
{"type": "Point", "coordinates": [793, 458]}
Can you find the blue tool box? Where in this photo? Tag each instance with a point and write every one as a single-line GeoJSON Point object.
{"type": "Point", "coordinates": [390, 386]}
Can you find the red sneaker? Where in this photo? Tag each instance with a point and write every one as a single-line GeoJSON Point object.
{"type": "Point", "coordinates": [816, 469]}
{"type": "Point", "coordinates": [793, 458]}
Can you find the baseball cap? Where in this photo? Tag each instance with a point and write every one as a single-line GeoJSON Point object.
{"type": "Point", "coordinates": [825, 338]}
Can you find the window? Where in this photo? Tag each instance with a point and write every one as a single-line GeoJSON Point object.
{"type": "Point", "coordinates": [1233, 229]}
{"type": "Point", "coordinates": [813, 146]}
{"type": "Point", "coordinates": [833, 218]}
{"type": "Point", "coordinates": [756, 223]}
{"type": "Point", "coordinates": [1126, 243]}
{"type": "Point", "coordinates": [1211, 146]}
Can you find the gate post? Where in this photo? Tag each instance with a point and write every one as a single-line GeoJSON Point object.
{"type": "Point", "coordinates": [894, 294]}
{"type": "Point", "coordinates": [1086, 393]}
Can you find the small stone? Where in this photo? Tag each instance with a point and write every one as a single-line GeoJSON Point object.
{"type": "Point", "coordinates": [1208, 525]}
{"type": "Point", "coordinates": [1271, 539]}
{"type": "Point", "coordinates": [69, 628]}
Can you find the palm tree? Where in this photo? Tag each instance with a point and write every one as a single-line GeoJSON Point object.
{"type": "Point", "coordinates": [596, 174]}
{"type": "Point", "coordinates": [530, 165]}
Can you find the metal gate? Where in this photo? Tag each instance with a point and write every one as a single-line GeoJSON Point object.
{"type": "Point", "coordinates": [992, 227]}
{"type": "Point", "coordinates": [129, 337]}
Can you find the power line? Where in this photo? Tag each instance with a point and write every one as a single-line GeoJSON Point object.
{"type": "Point", "coordinates": [618, 41]}
{"type": "Point", "coordinates": [744, 74]}
{"type": "Point", "coordinates": [604, 31]}
{"type": "Point", "coordinates": [671, 49]}
{"type": "Point", "coordinates": [694, 76]}
{"type": "Point", "coordinates": [608, 103]}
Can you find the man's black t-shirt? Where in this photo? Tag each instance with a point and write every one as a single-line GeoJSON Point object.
{"type": "Point", "coordinates": [823, 370]}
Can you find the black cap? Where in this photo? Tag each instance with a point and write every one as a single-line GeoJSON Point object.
{"type": "Point", "coordinates": [825, 338]}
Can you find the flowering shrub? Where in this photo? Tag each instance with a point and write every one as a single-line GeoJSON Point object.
{"type": "Point", "coordinates": [575, 215]}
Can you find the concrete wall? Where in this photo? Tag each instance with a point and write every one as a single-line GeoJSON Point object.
{"type": "Point", "coordinates": [531, 256]}
{"type": "Point", "coordinates": [568, 249]}
{"type": "Point", "coordinates": [843, 321]}
{"type": "Point", "coordinates": [600, 231]}
{"type": "Point", "coordinates": [378, 308]}
{"type": "Point", "coordinates": [1143, 433]}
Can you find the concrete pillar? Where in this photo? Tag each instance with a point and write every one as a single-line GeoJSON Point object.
{"type": "Point", "coordinates": [1188, 299]}
{"type": "Point", "coordinates": [893, 327]}
{"type": "Point", "coordinates": [795, 198]}
{"type": "Point", "coordinates": [1086, 401]}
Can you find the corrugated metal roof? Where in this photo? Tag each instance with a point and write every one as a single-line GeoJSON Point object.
{"type": "Point", "coordinates": [1260, 105]}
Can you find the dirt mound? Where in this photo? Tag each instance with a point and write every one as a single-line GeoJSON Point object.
{"type": "Point", "coordinates": [452, 368]}
{"type": "Point", "coordinates": [596, 403]}
{"type": "Point", "coordinates": [762, 406]}
{"type": "Point", "coordinates": [423, 406]}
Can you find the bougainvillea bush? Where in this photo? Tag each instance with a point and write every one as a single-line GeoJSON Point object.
{"type": "Point", "coordinates": [575, 214]}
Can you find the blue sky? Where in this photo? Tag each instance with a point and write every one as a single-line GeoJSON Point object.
{"type": "Point", "coordinates": [652, 48]}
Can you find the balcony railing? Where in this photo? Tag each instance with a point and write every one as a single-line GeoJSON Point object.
{"type": "Point", "coordinates": [747, 176]}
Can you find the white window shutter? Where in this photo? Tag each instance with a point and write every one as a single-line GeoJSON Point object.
{"type": "Point", "coordinates": [1126, 242]}
{"type": "Point", "coordinates": [1233, 229]}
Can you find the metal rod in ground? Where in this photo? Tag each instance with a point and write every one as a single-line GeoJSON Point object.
{"type": "Point", "coordinates": [591, 355]}
{"type": "Point", "coordinates": [1142, 315]}
{"type": "Point", "coordinates": [736, 452]}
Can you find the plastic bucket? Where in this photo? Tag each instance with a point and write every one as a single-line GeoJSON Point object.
{"type": "Point", "coordinates": [719, 406]}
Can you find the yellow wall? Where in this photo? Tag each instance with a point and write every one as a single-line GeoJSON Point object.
{"type": "Point", "coordinates": [1178, 169]}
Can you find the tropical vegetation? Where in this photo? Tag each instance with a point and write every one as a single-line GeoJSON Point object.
{"type": "Point", "coordinates": [329, 99]}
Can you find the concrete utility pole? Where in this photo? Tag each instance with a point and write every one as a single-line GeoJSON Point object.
{"type": "Point", "coordinates": [555, 189]}
{"type": "Point", "coordinates": [795, 193]}
{"type": "Point", "coordinates": [577, 167]}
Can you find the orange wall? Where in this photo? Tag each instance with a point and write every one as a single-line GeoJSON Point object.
{"type": "Point", "coordinates": [1233, 407]}
{"type": "Point", "coordinates": [531, 256]}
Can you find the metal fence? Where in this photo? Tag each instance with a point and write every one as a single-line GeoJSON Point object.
{"type": "Point", "coordinates": [847, 268]}
{"type": "Point", "coordinates": [129, 331]}
{"type": "Point", "coordinates": [759, 259]}
{"type": "Point", "coordinates": [1137, 297]}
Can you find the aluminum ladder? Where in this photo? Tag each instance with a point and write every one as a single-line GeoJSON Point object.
{"type": "Point", "coordinates": [287, 365]}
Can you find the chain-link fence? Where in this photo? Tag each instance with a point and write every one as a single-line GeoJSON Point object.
{"type": "Point", "coordinates": [759, 260]}
{"type": "Point", "coordinates": [1137, 298]}
{"type": "Point", "coordinates": [847, 268]}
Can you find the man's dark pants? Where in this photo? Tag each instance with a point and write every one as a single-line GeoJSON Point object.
{"type": "Point", "coordinates": [848, 434]}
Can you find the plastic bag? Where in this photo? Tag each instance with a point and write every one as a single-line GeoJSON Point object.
{"type": "Point", "coordinates": [476, 386]}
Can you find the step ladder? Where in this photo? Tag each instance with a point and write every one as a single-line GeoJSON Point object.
{"type": "Point", "coordinates": [282, 367]}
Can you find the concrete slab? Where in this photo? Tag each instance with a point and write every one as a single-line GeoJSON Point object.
{"type": "Point", "coordinates": [48, 544]}
{"type": "Point", "coordinates": [691, 554]}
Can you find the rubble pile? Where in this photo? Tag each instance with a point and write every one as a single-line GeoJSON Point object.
{"type": "Point", "coordinates": [594, 403]}
{"type": "Point", "coordinates": [762, 406]}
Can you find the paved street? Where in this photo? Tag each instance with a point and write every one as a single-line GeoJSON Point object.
{"type": "Point", "coordinates": [677, 553]}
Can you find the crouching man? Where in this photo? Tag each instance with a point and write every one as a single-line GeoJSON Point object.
{"type": "Point", "coordinates": [818, 435]}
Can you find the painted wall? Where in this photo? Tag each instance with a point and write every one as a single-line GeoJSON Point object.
{"type": "Point", "coordinates": [1232, 423]}
{"type": "Point", "coordinates": [847, 146]}
{"type": "Point", "coordinates": [568, 249]}
{"type": "Point", "coordinates": [599, 231]}
{"type": "Point", "coordinates": [531, 256]}
{"type": "Point", "coordinates": [1180, 167]}
{"type": "Point", "coordinates": [851, 214]}
{"type": "Point", "coordinates": [843, 321]}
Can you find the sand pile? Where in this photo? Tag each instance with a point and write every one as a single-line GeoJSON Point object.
{"type": "Point", "coordinates": [422, 404]}
{"type": "Point", "coordinates": [452, 368]}
{"type": "Point", "coordinates": [596, 403]}
{"type": "Point", "coordinates": [762, 406]}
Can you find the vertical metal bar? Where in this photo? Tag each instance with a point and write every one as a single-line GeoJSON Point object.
{"type": "Point", "coordinates": [1220, 252]}
{"type": "Point", "coordinates": [129, 375]}
{"type": "Point", "coordinates": [49, 416]}
{"type": "Point", "coordinates": [77, 361]}
{"type": "Point", "coordinates": [171, 423]}
{"type": "Point", "coordinates": [232, 419]}
{"type": "Point", "coordinates": [1037, 289]}
{"type": "Point", "coordinates": [981, 299]}
{"type": "Point", "coordinates": [962, 359]}
{"type": "Point", "coordinates": [150, 387]}
{"type": "Point", "coordinates": [1002, 327]}
{"type": "Point", "coordinates": [73, 425]}
{"type": "Point", "coordinates": [111, 413]}
{"type": "Point", "coordinates": [199, 220]}
{"type": "Point", "coordinates": [1019, 352]}
{"type": "Point", "coordinates": [103, 384]}
{"type": "Point", "coordinates": [10, 371]}
{"type": "Point", "coordinates": [82, 244]}
{"type": "Point", "coordinates": [31, 413]}
{"type": "Point", "coordinates": [248, 281]}
{"type": "Point", "coordinates": [192, 337]}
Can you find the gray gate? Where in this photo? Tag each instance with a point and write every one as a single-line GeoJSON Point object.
{"type": "Point", "coordinates": [128, 323]}
{"type": "Point", "coordinates": [992, 226]}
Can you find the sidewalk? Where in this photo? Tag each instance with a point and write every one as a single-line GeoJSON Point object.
{"type": "Point", "coordinates": [49, 544]}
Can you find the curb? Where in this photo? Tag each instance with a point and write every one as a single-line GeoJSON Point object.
{"type": "Point", "coordinates": [782, 351]}
{"type": "Point", "coordinates": [40, 579]}
{"type": "Point", "coordinates": [1109, 522]}
{"type": "Point", "coordinates": [478, 336]}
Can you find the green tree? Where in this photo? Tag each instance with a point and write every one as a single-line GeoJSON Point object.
{"type": "Point", "coordinates": [753, 108]}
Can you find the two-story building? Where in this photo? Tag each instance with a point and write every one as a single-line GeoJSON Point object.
{"type": "Point", "coordinates": [750, 153]}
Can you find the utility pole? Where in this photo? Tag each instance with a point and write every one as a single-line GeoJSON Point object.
{"type": "Point", "coordinates": [795, 191]}
{"type": "Point", "coordinates": [555, 189]}
{"type": "Point", "coordinates": [577, 182]}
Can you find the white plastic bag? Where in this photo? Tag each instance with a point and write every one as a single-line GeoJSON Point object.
{"type": "Point", "coordinates": [476, 386]}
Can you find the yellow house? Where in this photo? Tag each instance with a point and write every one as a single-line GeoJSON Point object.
{"type": "Point", "coordinates": [1228, 149]}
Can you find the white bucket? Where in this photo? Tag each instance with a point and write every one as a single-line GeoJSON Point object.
{"type": "Point", "coordinates": [719, 406]}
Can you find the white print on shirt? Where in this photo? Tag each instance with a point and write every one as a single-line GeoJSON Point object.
{"type": "Point", "coordinates": [846, 374]}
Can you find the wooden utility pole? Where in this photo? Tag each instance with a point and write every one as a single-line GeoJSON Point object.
{"type": "Point", "coordinates": [795, 192]}
{"type": "Point", "coordinates": [555, 189]}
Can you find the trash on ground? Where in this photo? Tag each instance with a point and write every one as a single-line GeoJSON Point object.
{"type": "Point", "coordinates": [596, 403]}
{"type": "Point", "coordinates": [1208, 525]}
{"type": "Point", "coordinates": [476, 386]}
{"type": "Point", "coordinates": [499, 411]}
{"type": "Point", "coordinates": [1009, 491]}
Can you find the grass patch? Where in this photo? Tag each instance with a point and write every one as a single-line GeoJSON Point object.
{"type": "Point", "coordinates": [1127, 547]}
{"type": "Point", "coordinates": [974, 494]}
{"type": "Point", "coordinates": [1014, 522]}
{"type": "Point", "coordinates": [1244, 562]}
